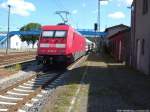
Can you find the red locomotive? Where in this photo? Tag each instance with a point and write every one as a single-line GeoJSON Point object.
{"type": "Point", "coordinates": [60, 44]}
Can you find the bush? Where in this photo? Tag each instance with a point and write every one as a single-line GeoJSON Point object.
{"type": "Point", "coordinates": [18, 67]}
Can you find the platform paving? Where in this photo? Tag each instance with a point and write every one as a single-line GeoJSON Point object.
{"type": "Point", "coordinates": [112, 87]}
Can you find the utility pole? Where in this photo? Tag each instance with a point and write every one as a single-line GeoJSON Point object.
{"type": "Point", "coordinates": [9, 7]}
{"type": "Point", "coordinates": [63, 15]}
{"type": "Point", "coordinates": [131, 34]}
{"type": "Point", "coordinates": [98, 15]}
{"type": "Point", "coordinates": [100, 41]}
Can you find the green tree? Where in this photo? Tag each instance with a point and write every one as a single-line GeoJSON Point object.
{"type": "Point", "coordinates": [30, 38]}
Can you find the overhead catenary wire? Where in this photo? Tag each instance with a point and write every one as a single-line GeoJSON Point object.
{"type": "Point", "coordinates": [62, 7]}
{"type": "Point", "coordinates": [59, 4]}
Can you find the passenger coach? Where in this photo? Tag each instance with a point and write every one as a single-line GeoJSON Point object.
{"type": "Point", "coordinates": [60, 44]}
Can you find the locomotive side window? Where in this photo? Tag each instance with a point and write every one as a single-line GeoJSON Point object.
{"type": "Point", "coordinates": [60, 34]}
{"type": "Point", "coordinates": [48, 34]}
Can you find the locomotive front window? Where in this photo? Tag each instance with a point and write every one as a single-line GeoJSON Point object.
{"type": "Point", "coordinates": [60, 34]}
{"type": "Point", "coordinates": [48, 34]}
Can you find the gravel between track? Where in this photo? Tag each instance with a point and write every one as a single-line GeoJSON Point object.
{"type": "Point", "coordinates": [38, 105]}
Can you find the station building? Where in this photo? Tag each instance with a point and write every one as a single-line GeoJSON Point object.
{"type": "Point", "coordinates": [140, 35]}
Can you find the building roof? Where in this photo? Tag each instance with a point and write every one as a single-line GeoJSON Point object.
{"type": "Point", "coordinates": [119, 32]}
{"type": "Point", "coordinates": [115, 29]}
{"type": "Point", "coordinates": [117, 26]}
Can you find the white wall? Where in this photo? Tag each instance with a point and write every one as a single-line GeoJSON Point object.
{"type": "Point", "coordinates": [18, 44]}
{"type": "Point", "coordinates": [141, 32]}
{"type": "Point", "coordinates": [15, 42]}
{"type": "Point", "coordinates": [24, 45]}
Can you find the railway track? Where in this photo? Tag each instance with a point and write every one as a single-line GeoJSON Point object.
{"type": "Point", "coordinates": [11, 56]}
{"type": "Point", "coordinates": [16, 59]}
{"type": "Point", "coordinates": [25, 92]}
{"type": "Point", "coordinates": [15, 96]}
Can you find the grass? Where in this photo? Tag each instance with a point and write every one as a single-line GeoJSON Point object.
{"type": "Point", "coordinates": [14, 68]}
{"type": "Point", "coordinates": [10, 70]}
{"type": "Point", "coordinates": [64, 94]}
{"type": "Point", "coordinates": [62, 98]}
{"type": "Point", "coordinates": [82, 99]}
{"type": "Point", "coordinates": [63, 101]}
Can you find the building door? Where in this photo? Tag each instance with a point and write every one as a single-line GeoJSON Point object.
{"type": "Point", "coordinates": [120, 50]}
{"type": "Point", "coordinates": [138, 53]}
{"type": "Point", "coordinates": [149, 63]}
{"type": "Point", "coordinates": [149, 66]}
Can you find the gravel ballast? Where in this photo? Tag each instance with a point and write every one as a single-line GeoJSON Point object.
{"type": "Point", "coordinates": [44, 96]}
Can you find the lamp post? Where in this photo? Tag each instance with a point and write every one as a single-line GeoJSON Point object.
{"type": "Point", "coordinates": [99, 26]}
{"type": "Point", "coordinates": [98, 16]}
{"type": "Point", "coordinates": [9, 7]}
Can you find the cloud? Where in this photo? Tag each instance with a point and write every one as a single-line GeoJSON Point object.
{"type": "Point", "coordinates": [19, 7]}
{"type": "Point", "coordinates": [104, 2]}
{"type": "Point", "coordinates": [125, 2]}
{"type": "Point", "coordinates": [75, 11]}
{"type": "Point", "coordinates": [116, 15]}
{"type": "Point", "coordinates": [83, 5]}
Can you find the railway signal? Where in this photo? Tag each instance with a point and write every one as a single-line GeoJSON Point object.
{"type": "Point", "coordinates": [95, 26]}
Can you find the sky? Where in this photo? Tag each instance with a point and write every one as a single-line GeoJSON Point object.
{"type": "Point", "coordinates": [83, 13]}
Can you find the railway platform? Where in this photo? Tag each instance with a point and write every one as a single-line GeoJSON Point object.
{"type": "Point", "coordinates": [102, 85]}
{"type": "Point", "coordinates": [112, 87]}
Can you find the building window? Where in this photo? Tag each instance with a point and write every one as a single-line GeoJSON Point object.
{"type": "Point", "coordinates": [145, 6]}
{"type": "Point", "coordinates": [16, 43]}
{"type": "Point", "coordinates": [133, 7]}
{"type": "Point", "coordinates": [143, 46]}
